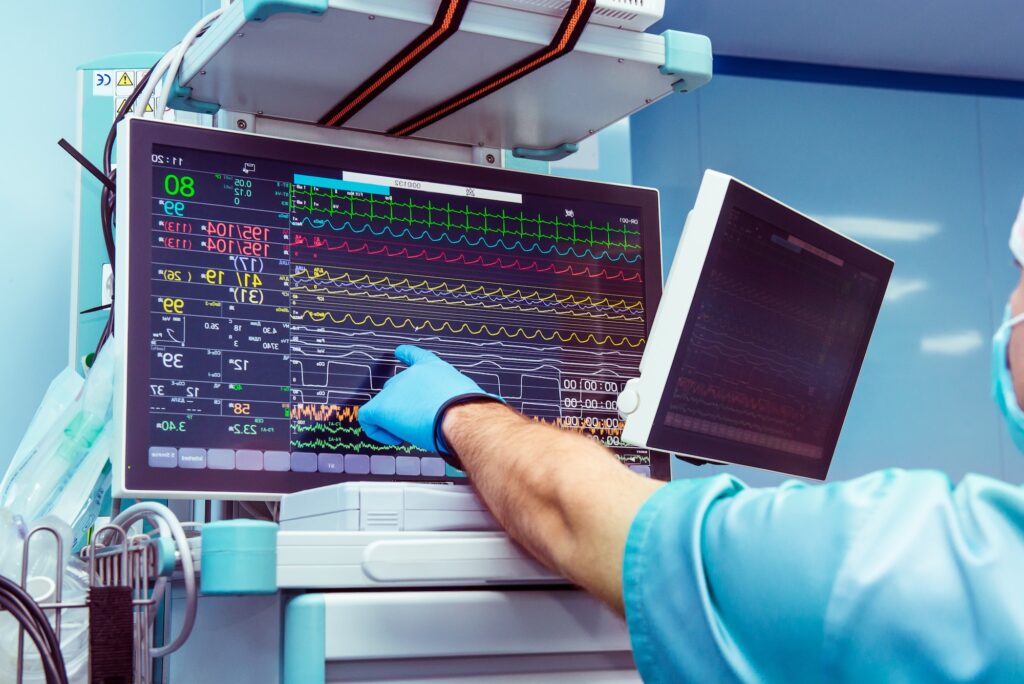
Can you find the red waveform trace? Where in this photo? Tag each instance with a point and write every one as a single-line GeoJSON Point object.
{"type": "Point", "coordinates": [739, 400]}
{"type": "Point", "coordinates": [496, 262]}
{"type": "Point", "coordinates": [326, 412]}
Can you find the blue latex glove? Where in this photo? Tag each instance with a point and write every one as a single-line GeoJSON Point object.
{"type": "Point", "coordinates": [406, 410]}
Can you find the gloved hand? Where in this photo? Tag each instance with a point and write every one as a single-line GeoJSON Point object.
{"type": "Point", "coordinates": [412, 404]}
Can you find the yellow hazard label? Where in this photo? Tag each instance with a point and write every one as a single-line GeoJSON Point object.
{"type": "Point", "coordinates": [125, 79]}
{"type": "Point", "coordinates": [121, 103]}
{"type": "Point", "coordinates": [149, 107]}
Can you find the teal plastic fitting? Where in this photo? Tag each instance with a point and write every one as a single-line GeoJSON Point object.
{"type": "Point", "coordinates": [180, 98]}
{"type": "Point", "coordinates": [165, 559]}
{"type": "Point", "coordinates": [303, 660]}
{"type": "Point", "coordinates": [239, 557]}
{"type": "Point", "coordinates": [687, 55]}
{"type": "Point", "coordinates": [550, 155]}
{"type": "Point", "coordinates": [261, 10]}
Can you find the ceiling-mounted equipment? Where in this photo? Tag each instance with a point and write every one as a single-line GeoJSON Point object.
{"type": "Point", "coordinates": [535, 76]}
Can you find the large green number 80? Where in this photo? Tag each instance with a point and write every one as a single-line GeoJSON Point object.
{"type": "Point", "coordinates": [184, 185]}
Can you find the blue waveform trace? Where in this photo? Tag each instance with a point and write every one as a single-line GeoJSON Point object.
{"type": "Point", "coordinates": [464, 239]}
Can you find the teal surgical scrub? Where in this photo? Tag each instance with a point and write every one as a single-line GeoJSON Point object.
{"type": "Point", "coordinates": [894, 577]}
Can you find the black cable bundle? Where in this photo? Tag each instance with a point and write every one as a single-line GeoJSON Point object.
{"type": "Point", "coordinates": [31, 618]}
{"type": "Point", "coordinates": [107, 198]}
{"type": "Point", "coordinates": [108, 177]}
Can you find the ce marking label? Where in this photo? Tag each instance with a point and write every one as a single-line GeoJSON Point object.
{"type": "Point", "coordinates": [103, 82]}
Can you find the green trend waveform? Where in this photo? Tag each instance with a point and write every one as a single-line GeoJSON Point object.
{"type": "Point", "coordinates": [565, 231]}
{"type": "Point", "coordinates": [332, 429]}
{"type": "Point", "coordinates": [353, 447]}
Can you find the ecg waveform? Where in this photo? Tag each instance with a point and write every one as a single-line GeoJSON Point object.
{"type": "Point", "coordinates": [389, 205]}
{"type": "Point", "coordinates": [407, 233]}
{"type": "Point", "coordinates": [782, 388]}
{"type": "Point", "coordinates": [738, 400]}
{"type": "Point", "coordinates": [418, 297]}
{"type": "Point", "coordinates": [544, 310]}
{"type": "Point", "coordinates": [277, 306]}
{"type": "Point", "coordinates": [328, 428]}
{"type": "Point", "coordinates": [322, 281]}
{"type": "Point", "coordinates": [321, 444]}
{"type": "Point", "coordinates": [481, 291]}
{"type": "Point", "coordinates": [553, 268]}
{"type": "Point", "coordinates": [752, 295]}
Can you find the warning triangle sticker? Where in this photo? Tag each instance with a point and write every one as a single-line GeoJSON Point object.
{"type": "Point", "coordinates": [149, 107]}
{"type": "Point", "coordinates": [121, 103]}
{"type": "Point", "coordinates": [125, 79]}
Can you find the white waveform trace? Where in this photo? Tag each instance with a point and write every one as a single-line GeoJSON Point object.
{"type": "Point", "coordinates": [333, 396]}
{"type": "Point", "coordinates": [389, 340]}
{"type": "Point", "coordinates": [467, 355]}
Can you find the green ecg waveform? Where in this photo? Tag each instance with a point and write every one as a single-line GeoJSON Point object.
{"type": "Point", "coordinates": [323, 427]}
{"type": "Point", "coordinates": [353, 447]}
{"type": "Point", "coordinates": [445, 213]}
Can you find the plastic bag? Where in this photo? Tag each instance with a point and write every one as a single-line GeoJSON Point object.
{"type": "Point", "coordinates": [59, 475]}
{"type": "Point", "coordinates": [39, 479]}
{"type": "Point", "coordinates": [79, 502]}
{"type": "Point", "coordinates": [59, 395]}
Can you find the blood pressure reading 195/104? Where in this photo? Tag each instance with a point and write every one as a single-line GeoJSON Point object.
{"type": "Point", "coordinates": [278, 294]}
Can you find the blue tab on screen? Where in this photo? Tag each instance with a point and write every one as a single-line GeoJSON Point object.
{"type": "Point", "coordinates": [343, 186]}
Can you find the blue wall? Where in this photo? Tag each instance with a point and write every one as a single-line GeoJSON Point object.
{"type": "Point", "coordinates": [41, 50]}
{"type": "Point", "coordinates": [932, 179]}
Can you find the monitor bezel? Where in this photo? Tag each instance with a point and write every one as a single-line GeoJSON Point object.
{"type": "Point", "coordinates": [136, 138]}
{"type": "Point", "coordinates": [646, 426]}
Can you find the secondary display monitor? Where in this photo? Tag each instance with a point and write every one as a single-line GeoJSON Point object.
{"type": "Point", "coordinates": [263, 284]}
{"type": "Point", "coordinates": [760, 337]}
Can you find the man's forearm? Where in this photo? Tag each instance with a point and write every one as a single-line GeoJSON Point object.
{"type": "Point", "coordinates": [564, 497]}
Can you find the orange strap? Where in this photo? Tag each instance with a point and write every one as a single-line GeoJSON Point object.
{"type": "Point", "coordinates": [565, 40]}
{"type": "Point", "coordinates": [446, 23]}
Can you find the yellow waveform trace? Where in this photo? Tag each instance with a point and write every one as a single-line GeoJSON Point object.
{"type": "Point", "coordinates": [606, 427]}
{"type": "Point", "coordinates": [326, 412]}
{"type": "Point", "coordinates": [481, 290]}
{"type": "Point", "coordinates": [473, 305]}
{"type": "Point", "coordinates": [404, 323]}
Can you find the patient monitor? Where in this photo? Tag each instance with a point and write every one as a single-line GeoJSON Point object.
{"type": "Point", "coordinates": [763, 326]}
{"type": "Point", "coordinates": [263, 284]}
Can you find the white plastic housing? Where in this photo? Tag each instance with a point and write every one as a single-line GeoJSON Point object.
{"type": "Point", "coordinates": [644, 393]}
{"type": "Point", "coordinates": [634, 15]}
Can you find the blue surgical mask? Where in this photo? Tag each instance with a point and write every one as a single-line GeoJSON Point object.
{"type": "Point", "coordinates": [1002, 380]}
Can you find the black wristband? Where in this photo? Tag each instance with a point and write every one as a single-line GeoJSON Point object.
{"type": "Point", "coordinates": [443, 449]}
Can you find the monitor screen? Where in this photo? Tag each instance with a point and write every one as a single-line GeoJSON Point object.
{"type": "Point", "coordinates": [773, 342]}
{"type": "Point", "coordinates": [269, 282]}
